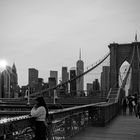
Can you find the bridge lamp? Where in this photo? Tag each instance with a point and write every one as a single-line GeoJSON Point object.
{"type": "Point", "coordinates": [27, 95]}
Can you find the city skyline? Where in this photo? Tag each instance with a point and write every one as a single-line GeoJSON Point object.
{"type": "Point", "coordinates": [47, 35]}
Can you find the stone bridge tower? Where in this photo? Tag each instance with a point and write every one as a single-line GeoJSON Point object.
{"type": "Point", "coordinates": [119, 53]}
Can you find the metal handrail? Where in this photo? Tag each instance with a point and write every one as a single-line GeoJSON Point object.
{"type": "Point", "coordinates": [109, 93]}
{"type": "Point", "coordinates": [62, 119]}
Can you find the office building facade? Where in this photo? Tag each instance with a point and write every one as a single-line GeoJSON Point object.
{"type": "Point", "coordinates": [73, 83]}
{"type": "Point", "coordinates": [89, 89]}
{"type": "Point", "coordinates": [33, 79]}
{"type": "Point", "coordinates": [54, 74]}
{"type": "Point", "coordinates": [9, 82]}
{"type": "Point", "coordinates": [80, 81]}
{"type": "Point", "coordinates": [65, 77]}
{"type": "Point", "coordinates": [105, 80]}
{"type": "Point", "coordinates": [52, 84]}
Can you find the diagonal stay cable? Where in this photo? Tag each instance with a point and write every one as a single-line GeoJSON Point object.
{"type": "Point", "coordinates": [127, 74]}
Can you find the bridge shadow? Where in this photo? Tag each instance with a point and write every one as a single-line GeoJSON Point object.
{"type": "Point", "coordinates": [123, 127]}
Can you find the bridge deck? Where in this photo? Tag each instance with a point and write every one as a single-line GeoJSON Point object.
{"type": "Point", "coordinates": [121, 128]}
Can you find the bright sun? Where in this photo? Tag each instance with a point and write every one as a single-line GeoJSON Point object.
{"type": "Point", "coordinates": [3, 64]}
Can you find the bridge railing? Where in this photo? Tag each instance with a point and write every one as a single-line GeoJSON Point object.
{"type": "Point", "coordinates": [62, 123]}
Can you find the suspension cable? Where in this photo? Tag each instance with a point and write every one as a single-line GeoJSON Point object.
{"type": "Point", "coordinates": [88, 67]}
{"type": "Point", "coordinates": [84, 73]}
{"type": "Point", "coordinates": [93, 67]}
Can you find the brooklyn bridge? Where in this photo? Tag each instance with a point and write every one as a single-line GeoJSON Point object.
{"type": "Point", "coordinates": [84, 118]}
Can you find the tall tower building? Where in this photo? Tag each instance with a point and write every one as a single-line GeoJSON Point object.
{"type": "Point", "coordinates": [73, 83]}
{"type": "Point", "coordinates": [6, 82]}
{"type": "Point", "coordinates": [9, 82]}
{"type": "Point", "coordinates": [105, 79]}
{"type": "Point", "coordinates": [54, 74]}
{"type": "Point", "coordinates": [14, 82]}
{"type": "Point", "coordinates": [89, 88]}
{"type": "Point", "coordinates": [33, 79]}
{"type": "Point", "coordinates": [65, 77]}
{"type": "Point", "coordinates": [52, 84]}
{"type": "Point", "coordinates": [1, 85]}
{"type": "Point", "coordinates": [80, 70]}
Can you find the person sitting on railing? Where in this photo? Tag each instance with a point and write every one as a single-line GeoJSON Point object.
{"type": "Point", "coordinates": [40, 112]}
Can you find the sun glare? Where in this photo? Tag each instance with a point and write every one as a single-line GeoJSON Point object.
{"type": "Point", "coordinates": [3, 64]}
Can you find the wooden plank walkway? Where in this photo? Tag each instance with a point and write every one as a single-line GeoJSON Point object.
{"type": "Point", "coordinates": [121, 128]}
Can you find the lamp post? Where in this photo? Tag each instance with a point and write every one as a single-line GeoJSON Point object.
{"type": "Point", "coordinates": [54, 96]}
{"type": "Point", "coordinates": [27, 95]}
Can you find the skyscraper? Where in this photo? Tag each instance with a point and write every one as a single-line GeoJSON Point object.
{"type": "Point", "coordinates": [54, 74]}
{"type": "Point", "coordinates": [0, 85]}
{"type": "Point", "coordinates": [5, 83]}
{"type": "Point", "coordinates": [14, 82]}
{"type": "Point", "coordinates": [80, 70]}
{"type": "Point", "coordinates": [9, 82]}
{"type": "Point", "coordinates": [73, 83]}
{"type": "Point", "coordinates": [105, 79]}
{"type": "Point", "coordinates": [65, 74]}
{"type": "Point", "coordinates": [89, 88]}
{"type": "Point", "coordinates": [33, 79]}
{"type": "Point", "coordinates": [65, 77]}
{"type": "Point", "coordinates": [52, 84]}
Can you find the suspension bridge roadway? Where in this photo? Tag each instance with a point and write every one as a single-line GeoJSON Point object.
{"type": "Point", "coordinates": [121, 128]}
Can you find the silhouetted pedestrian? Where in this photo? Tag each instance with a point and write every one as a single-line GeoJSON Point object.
{"type": "Point", "coordinates": [138, 108]}
{"type": "Point", "coordinates": [130, 105]}
{"type": "Point", "coordinates": [135, 104]}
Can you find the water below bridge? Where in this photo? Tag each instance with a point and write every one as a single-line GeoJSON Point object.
{"type": "Point", "coordinates": [121, 128]}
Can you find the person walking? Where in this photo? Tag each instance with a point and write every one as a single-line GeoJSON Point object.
{"type": "Point", "coordinates": [40, 112]}
{"type": "Point", "coordinates": [138, 108]}
{"type": "Point", "coordinates": [124, 105]}
{"type": "Point", "coordinates": [136, 104]}
{"type": "Point", "coordinates": [130, 105]}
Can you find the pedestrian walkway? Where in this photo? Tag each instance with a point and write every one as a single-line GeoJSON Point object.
{"type": "Point", "coordinates": [121, 128]}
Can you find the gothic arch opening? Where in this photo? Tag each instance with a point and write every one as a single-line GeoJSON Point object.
{"type": "Point", "coordinates": [120, 53]}
{"type": "Point", "coordinates": [122, 73]}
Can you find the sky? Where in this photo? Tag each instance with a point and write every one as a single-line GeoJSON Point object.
{"type": "Point", "coordinates": [48, 34]}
